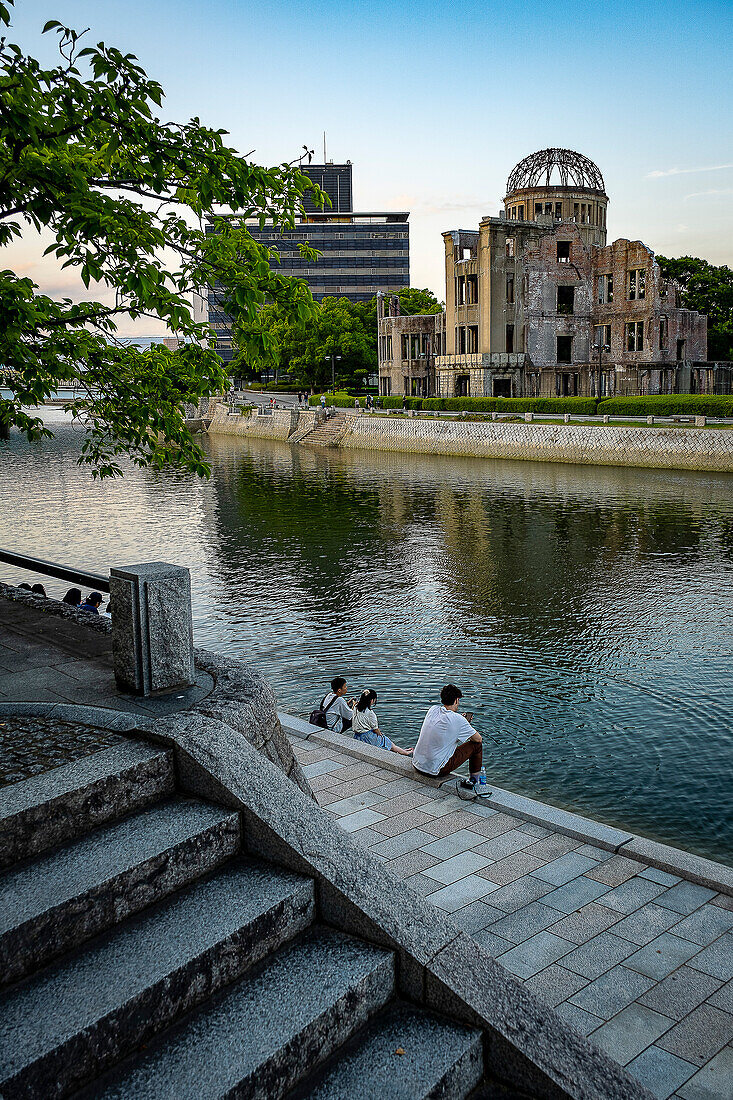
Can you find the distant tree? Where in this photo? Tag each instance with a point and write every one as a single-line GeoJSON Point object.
{"type": "Point", "coordinates": [707, 289]}
{"type": "Point", "coordinates": [125, 197]}
{"type": "Point", "coordinates": [413, 301]}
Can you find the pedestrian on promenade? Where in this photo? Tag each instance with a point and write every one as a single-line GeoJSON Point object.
{"type": "Point", "coordinates": [73, 597]}
{"type": "Point", "coordinates": [339, 714]}
{"type": "Point", "coordinates": [446, 741]}
{"type": "Point", "coordinates": [323, 400]}
{"type": "Point", "coordinates": [357, 403]}
{"type": "Point", "coordinates": [92, 603]}
{"type": "Point", "coordinates": [38, 589]}
{"type": "Point", "coordinates": [366, 727]}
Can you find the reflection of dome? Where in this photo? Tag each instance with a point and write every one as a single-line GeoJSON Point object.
{"type": "Point", "coordinates": [573, 168]}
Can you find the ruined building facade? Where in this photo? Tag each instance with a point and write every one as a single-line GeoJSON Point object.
{"type": "Point", "coordinates": [539, 305]}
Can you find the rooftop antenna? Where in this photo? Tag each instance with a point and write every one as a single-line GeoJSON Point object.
{"type": "Point", "coordinates": [324, 146]}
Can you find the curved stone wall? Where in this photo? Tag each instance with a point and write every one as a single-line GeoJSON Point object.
{"type": "Point", "coordinates": [596, 445]}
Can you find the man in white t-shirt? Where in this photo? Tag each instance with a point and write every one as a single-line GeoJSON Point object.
{"type": "Point", "coordinates": [339, 713]}
{"type": "Point", "coordinates": [446, 741]}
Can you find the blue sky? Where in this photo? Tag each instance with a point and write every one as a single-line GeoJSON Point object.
{"type": "Point", "coordinates": [434, 103]}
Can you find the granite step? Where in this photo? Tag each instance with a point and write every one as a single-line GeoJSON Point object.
{"type": "Point", "coordinates": [64, 897]}
{"type": "Point", "coordinates": [263, 1035]}
{"type": "Point", "coordinates": [79, 1016]}
{"type": "Point", "coordinates": [66, 802]}
{"type": "Point", "coordinates": [403, 1054]}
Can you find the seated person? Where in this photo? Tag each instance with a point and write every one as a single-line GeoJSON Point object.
{"type": "Point", "coordinates": [366, 727]}
{"type": "Point", "coordinates": [446, 741]}
{"type": "Point", "coordinates": [339, 713]}
{"type": "Point", "coordinates": [92, 603]}
{"type": "Point", "coordinates": [73, 597]}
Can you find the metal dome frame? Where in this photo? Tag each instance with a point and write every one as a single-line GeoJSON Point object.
{"type": "Point", "coordinates": [575, 171]}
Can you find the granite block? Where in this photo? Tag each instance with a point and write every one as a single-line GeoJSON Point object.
{"type": "Point", "coordinates": [685, 897]}
{"type": "Point", "coordinates": [662, 1073]}
{"type": "Point", "coordinates": [616, 870]}
{"type": "Point", "coordinates": [582, 1021]}
{"type": "Point", "coordinates": [453, 845]}
{"type": "Point", "coordinates": [420, 884]}
{"type": "Point", "coordinates": [581, 828]}
{"type": "Point", "coordinates": [513, 867]}
{"type": "Point", "coordinates": [575, 894]}
{"type": "Point", "coordinates": [504, 845]}
{"type": "Point", "coordinates": [717, 959]}
{"type": "Point", "coordinates": [598, 955]}
{"type": "Point", "coordinates": [468, 889]}
{"type": "Point", "coordinates": [553, 845]}
{"type": "Point", "coordinates": [411, 863]}
{"type": "Point", "coordinates": [555, 984]}
{"type": "Point", "coordinates": [663, 955]}
{"type": "Point", "coordinates": [535, 954]}
{"type": "Point", "coordinates": [712, 1081]}
{"type": "Point", "coordinates": [681, 992]}
{"type": "Point", "coordinates": [359, 820]}
{"type": "Point", "coordinates": [611, 992]}
{"type": "Point", "coordinates": [519, 893]}
{"type": "Point", "coordinates": [494, 826]}
{"type": "Point", "coordinates": [411, 800]}
{"type": "Point", "coordinates": [700, 1035]}
{"type": "Point", "coordinates": [452, 822]}
{"type": "Point", "coordinates": [404, 842]}
{"type": "Point", "coordinates": [450, 870]}
{"type": "Point", "coordinates": [705, 925]}
{"type": "Point", "coordinates": [493, 945]}
{"type": "Point", "coordinates": [476, 916]}
{"type": "Point", "coordinates": [723, 996]}
{"type": "Point", "coordinates": [646, 923]}
{"type": "Point", "coordinates": [565, 868]}
{"type": "Point", "coordinates": [696, 869]}
{"type": "Point", "coordinates": [630, 1032]}
{"type": "Point", "coordinates": [631, 895]}
{"type": "Point", "coordinates": [662, 877]}
{"type": "Point", "coordinates": [322, 767]}
{"type": "Point", "coordinates": [585, 923]}
{"type": "Point", "coordinates": [345, 806]}
{"type": "Point", "coordinates": [523, 923]}
{"type": "Point", "coordinates": [400, 823]}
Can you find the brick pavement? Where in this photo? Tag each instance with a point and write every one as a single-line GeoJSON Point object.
{"type": "Point", "coordinates": [639, 960]}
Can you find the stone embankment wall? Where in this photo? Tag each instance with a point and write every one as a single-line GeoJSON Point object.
{"type": "Point", "coordinates": [278, 424]}
{"type": "Point", "coordinates": [596, 445]}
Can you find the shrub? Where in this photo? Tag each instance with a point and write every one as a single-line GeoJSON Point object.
{"type": "Point", "coordinates": [683, 404]}
{"type": "Point", "coordinates": [580, 406]}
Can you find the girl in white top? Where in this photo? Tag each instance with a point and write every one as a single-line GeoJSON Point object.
{"type": "Point", "coordinates": [366, 727]}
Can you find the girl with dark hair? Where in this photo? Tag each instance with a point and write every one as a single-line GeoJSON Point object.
{"type": "Point", "coordinates": [73, 596]}
{"type": "Point", "coordinates": [366, 728]}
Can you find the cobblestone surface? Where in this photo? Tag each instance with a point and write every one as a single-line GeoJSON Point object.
{"type": "Point", "coordinates": [639, 960]}
{"type": "Point", "coordinates": [29, 746]}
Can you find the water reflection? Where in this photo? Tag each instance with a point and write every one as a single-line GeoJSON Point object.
{"type": "Point", "coordinates": [586, 612]}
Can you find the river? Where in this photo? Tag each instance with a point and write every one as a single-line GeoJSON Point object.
{"type": "Point", "coordinates": [586, 613]}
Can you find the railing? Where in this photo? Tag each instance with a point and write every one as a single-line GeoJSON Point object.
{"type": "Point", "coordinates": [53, 569]}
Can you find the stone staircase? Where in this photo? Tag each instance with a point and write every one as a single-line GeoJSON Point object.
{"type": "Point", "coordinates": [144, 956]}
{"type": "Point", "coordinates": [328, 433]}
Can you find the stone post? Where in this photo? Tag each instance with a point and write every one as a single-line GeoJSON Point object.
{"type": "Point", "coordinates": [529, 417]}
{"type": "Point", "coordinates": [650, 420]}
{"type": "Point", "coordinates": [566, 418]}
{"type": "Point", "coordinates": [700, 421]}
{"type": "Point", "coordinates": [605, 418]}
{"type": "Point", "coordinates": [152, 627]}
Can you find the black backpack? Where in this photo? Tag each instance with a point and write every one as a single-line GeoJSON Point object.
{"type": "Point", "coordinates": [318, 717]}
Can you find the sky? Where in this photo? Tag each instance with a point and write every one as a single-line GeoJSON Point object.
{"type": "Point", "coordinates": [435, 102]}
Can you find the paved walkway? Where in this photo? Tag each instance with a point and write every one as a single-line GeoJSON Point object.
{"type": "Point", "coordinates": [639, 960]}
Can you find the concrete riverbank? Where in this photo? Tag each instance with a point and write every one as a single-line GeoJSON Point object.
{"type": "Point", "coordinates": [661, 447]}
{"type": "Point", "coordinates": [631, 945]}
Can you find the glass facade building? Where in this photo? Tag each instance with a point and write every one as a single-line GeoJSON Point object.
{"type": "Point", "coordinates": [361, 253]}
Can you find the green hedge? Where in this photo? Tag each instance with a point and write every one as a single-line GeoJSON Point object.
{"type": "Point", "coordinates": [340, 399]}
{"type": "Point", "coordinates": [683, 404]}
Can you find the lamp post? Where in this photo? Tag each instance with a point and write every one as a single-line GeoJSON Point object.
{"type": "Point", "coordinates": [601, 348]}
{"type": "Point", "coordinates": [333, 359]}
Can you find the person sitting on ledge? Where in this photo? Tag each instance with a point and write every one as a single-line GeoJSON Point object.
{"type": "Point", "coordinates": [92, 603]}
{"type": "Point", "coordinates": [366, 728]}
{"type": "Point", "coordinates": [446, 741]}
{"type": "Point", "coordinates": [73, 597]}
{"type": "Point", "coordinates": [38, 589]}
{"type": "Point", "coordinates": [25, 586]}
{"type": "Point", "coordinates": [339, 713]}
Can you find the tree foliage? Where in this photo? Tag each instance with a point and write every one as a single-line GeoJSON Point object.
{"type": "Point", "coordinates": [338, 327]}
{"type": "Point", "coordinates": [125, 197]}
{"type": "Point", "coordinates": [707, 289]}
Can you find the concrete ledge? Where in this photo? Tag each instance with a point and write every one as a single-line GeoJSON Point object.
{"type": "Point", "coordinates": [698, 869]}
{"type": "Point", "coordinates": [704, 872]}
{"type": "Point", "coordinates": [122, 721]}
{"type": "Point", "coordinates": [527, 1046]}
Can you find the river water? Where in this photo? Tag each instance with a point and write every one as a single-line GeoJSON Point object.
{"type": "Point", "coordinates": [586, 613]}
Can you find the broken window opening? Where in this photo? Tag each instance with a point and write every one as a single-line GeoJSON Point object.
{"type": "Point", "coordinates": [605, 289]}
{"type": "Point", "coordinates": [662, 333]}
{"type": "Point", "coordinates": [510, 247]}
{"type": "Point", "coordinates": [637, 284]}
{"type": "Point", "coordinates": [510, 290]}
{"type": "Point", "coordinates": [603, 337]}
{"type": "Point", "coordinates": [564, 349]}
{"type": "Point", "coordinates": [510, 339]}
{"type": "Point", "coordinates": [405, 347]}
{"type": "Point", "coordinates": [520, 215]}
{"type": "Point", "coordinates": [463, 385]}
{"type": "Point", "coordinates": [472, 289]}
{"type": "Point", "coordinates": [472, 339]}
{"type": "Point", "coordinates": [389, 348]}
{"type": "Point", "coordinates": [565, 299]}
{"type": "Point", "coordinates": [680, 350]}
{"type": "Point", "coordinates": [462, 340]}
{"type": "Point", "coordinates": [558, 211]}
{"type": "Point", "coordinates": [635, 336]}
{"type": "Point", "coordinates": [576, 212]}
{"type": "Point", "coordinates": [563, 252]}
{"type": "Point", "coordinates": [537, 209]}
{"type": "Point", "coordinates": [461, 290]}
